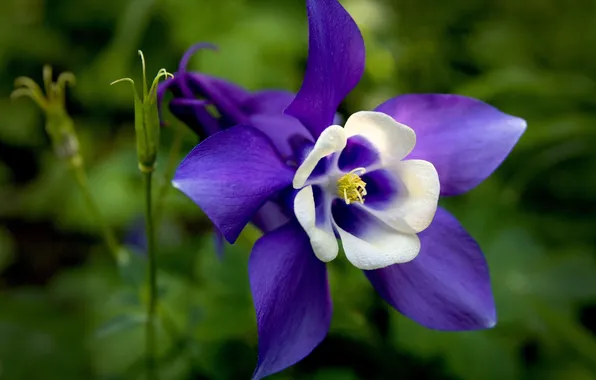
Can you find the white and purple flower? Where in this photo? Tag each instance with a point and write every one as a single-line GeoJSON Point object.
{"type": "Point", "coordinates": [373, 183]}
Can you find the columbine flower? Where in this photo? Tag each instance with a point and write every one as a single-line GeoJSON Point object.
{"type": "Point", "coordinates": [373, 184]}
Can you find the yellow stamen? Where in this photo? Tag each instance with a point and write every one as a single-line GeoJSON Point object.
{"type": "Point", "coordinates": [351, 188]}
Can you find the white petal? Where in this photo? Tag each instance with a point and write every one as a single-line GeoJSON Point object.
{"type": "Point", "coordinates": [393, 140]}
{"type": "Point", "coordinates": [322, 239]}
{"type": "Point", "coordinates": [414, 208]}
{"type": "Point", "coordinates": [379, 247]}
{"type": "Point", "coordinates": [332, 140]}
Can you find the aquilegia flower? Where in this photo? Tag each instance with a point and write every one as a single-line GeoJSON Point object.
{"type": "Point", "coordinates": [373, 183]}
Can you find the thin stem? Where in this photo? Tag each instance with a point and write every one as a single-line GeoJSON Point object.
{"type": "Point", "coordinates": [169, 173]}
{"type": "Point", "coordinates": [152, 279]}
{"type": "Point", "coordinates": [76, 164]}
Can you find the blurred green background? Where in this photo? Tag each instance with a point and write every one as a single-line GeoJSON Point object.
{"type": "Point", "coordinates": [65, 312]}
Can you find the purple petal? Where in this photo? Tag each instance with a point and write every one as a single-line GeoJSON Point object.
{"type": "Point", "coordinates": [291, 296]}
{"type": "Point", "coordinates": [335, 64]}
{"type": "Point", "coordinates": [225, 96]}
{"type": "Point", "coordinates": [212, 86]}
{"type": "Point", "coordinates": [268, 101]}
{"type": "Point", "coordinates": [191, 51]}
{"type": "Point", "coordinates": [194, 113]}
{"type": "Point", "coordinates": [447, 287]}
{"type": "Point", "coordinates": [354, 219]}
{"type": "Point", "coordinates": [358, 153]}
{"type": "Point", "coordinates": [321, 206]}
{"type": "Point", "coordinates": [193, 84]}
{"type": "Point", "coordinates": [178, 85]}
{"type": "Point", "coordinates": [281, 130]}
{"type": "Point", "coordinates": [382, 188]}
{"type": "Point", "coordinates": [323, 166]}
{"type": "Point", "coordinates": [464, 138]}
{"type": "Point", "coordinates": [270, 217]}
{"type": "Point", "coordinates": [231, 175]}
{"type": "Point", "coordinates": [302, 148]}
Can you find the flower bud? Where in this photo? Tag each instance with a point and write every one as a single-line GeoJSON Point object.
{"type": "Point", "coordinates": [146, 118]}
{"type": "Point", "coordinates": [59, 125]}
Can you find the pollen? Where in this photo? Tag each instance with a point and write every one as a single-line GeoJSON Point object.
{"type": "Point", "coordinates": [351, 187]}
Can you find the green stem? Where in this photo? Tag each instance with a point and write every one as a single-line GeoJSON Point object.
{"type": "Point", "coordinates": [152, 279]}
{"type": "Point", "coordinates": [76, 164]}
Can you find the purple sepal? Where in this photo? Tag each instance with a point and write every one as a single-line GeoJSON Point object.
{"type": "Point", "coordinates": [231, 175]}
{"type": "Point", "coordinates": [291, 296]}
{"type": "Point", "coordinates": [447, 287]}
{"type": "Point", "coordinates": [464, 138]}
{"type": "Point", "coordinates": [334, 67]}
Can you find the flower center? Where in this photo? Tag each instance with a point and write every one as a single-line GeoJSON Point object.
{"type": "Point", "coordinates": [351, 187]}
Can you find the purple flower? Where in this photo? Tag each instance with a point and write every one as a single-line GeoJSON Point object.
{"type": "Point", "coordinates": [373, 183]}
{"type": "Point", "coordinates": [194, 92]}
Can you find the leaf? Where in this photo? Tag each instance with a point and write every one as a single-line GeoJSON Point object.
{"type": "Point", "coordinates": [335, 374]}
{"type": "Point", "coordinates": [469, 355]}
{"type": "Point", "coordinates": [120, 323]}
{"type": "Point", "coordinates": [7, 248]}
{"type": "Point", "coordinates": [225, 295]}
{"type": "Point", "coordinates": [40, 338]}
{"type": "Point", "coordinates": [352, 297]}
{"type": "Point", "coordinates": [574, 336]}
{"type": "Point", "coordinates": [21, 123]}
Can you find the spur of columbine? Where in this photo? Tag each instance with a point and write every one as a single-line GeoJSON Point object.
{"type": "Point", "coordinates": [194, 92]}
{"type": "Point", "coordinates": [373, 183]}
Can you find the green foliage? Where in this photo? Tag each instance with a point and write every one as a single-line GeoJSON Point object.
{"type": "Point", "coordinates": [67, 313]}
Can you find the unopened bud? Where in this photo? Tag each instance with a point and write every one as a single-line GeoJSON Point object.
{"type": "Point", "coordinates": [59, 125]}
{"type": "Point", "coordinates": [146, 118]}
